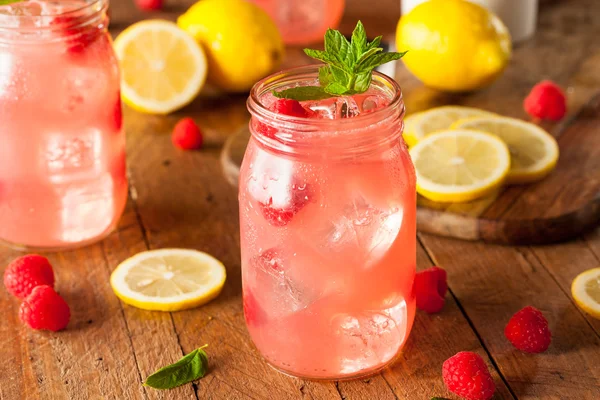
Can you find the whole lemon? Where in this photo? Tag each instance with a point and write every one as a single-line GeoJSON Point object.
{"type": "Point", "coordinates": [241, 41]}
{"type": "Point", "coordinates": [453, 45]}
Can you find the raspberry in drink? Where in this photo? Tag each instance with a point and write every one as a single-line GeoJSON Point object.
{"type": "Point", "coordinates": [62, 159]}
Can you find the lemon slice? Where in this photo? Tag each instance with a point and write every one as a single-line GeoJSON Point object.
{"type": "Point", "coordinates": [162, 67]}
{"type": "Point", "coordinates": [534, 152]}
{"type": "Point", "coordinates": [168, 279]}
{"type": "Point", "coordinates": [437, 119]}
{"type": "Point", "coordinates": [586, 291]}
{"type": "Point", "coordinates": [409, 128]}
{"type": "Point", "coordinates": [459, 165]}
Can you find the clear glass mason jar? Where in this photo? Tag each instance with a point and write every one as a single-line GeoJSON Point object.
{"type": "Point", "coordinates": [62, 159]}
{"type": "Point", "coordinates": [306, 21]}
{"type": "Point", "coordinates": [328, 230]}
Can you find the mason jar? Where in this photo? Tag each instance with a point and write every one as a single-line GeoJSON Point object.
{"type": "Point", "coordinates": [328, 230]}
{"type": "Point", "coordinates": [62, 159]}
{"type": "Point", "coordinates": [306, 21]}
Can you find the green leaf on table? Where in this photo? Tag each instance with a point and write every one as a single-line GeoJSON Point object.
{"type": "Point", "coordinates": [189, 368]}
{"type": "Point", "coordinates": [349, 68]}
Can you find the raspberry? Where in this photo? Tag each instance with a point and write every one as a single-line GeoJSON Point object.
{"type": "Point", "coordinates": [271, 259]}
{"type": "Point", "coordinates": [76, 38]}
{"type": "Point", "coordinates": [149, 5]}
{"type": "Point", "coordinates": [289, 107]}
{"type": "Point", "coordinates": [253, 312]}
{"type": "Point", "coordinates": [430, 289]}
{"type": "Point", "coordinates": [528, 331]}
{"type": "Point", "coordinates": [466, 375]}
{"type": "Point", "coordinates": [25, 273]}
{"type": "Point", "coordinates": [546, 101]}
{"type": "Point", "coordinates": [45, 309]}
{"type": "Point", "coordinates": [278, 216]}
{"type": "Point", "coordinates": [186, 135]}
{"type": "Point", "coordinates": [117, 115]}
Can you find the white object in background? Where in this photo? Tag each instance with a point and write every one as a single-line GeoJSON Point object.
{"type": "Point", "coordinates": [519, 16]}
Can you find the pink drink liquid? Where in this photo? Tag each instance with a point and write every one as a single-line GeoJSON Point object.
{"type": "Point", "coordinates": [62, 158]}
{"type": "Point", "coordinates": [303, 21]}
{"type": "Point", "coordinates": [328, 281]}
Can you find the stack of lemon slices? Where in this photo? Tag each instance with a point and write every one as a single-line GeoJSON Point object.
{"type": "Point", "coordinates": [461, 153]}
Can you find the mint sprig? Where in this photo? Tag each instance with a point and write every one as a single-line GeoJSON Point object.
{"type": "Point", "coordinates": [349, 66]}
{"type": "Point", "coordinates": [187, 369]}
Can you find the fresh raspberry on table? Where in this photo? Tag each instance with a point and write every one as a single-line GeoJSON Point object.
{"type": "Point", "coordinates": [466, 375]}
{"type": "Point", "coordinates": [27, 272]}
{"type": "Point", "coordinates": [546, 101]}
{"type": "Point", "coordinates": [186, 135]}
{"type": "Point", "coordinates": [45, 309]}
{"type": "Point", "coordinates": [430, 289]}
{"type": "Point", "coordinates": [528, 331]}
{"type": "Point", "coordinates": [293, 108]}
{"type": "Point", "coordinates": [149, 5]}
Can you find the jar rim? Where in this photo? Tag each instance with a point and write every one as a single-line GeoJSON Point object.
{"type": "Point", "coordinates": [87, 4]}
{"type": "Point", "coordinates": [256, 107]}
{"type": "Point", "coordinates": [91, 12]}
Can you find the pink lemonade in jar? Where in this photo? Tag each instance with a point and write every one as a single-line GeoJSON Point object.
{"type": "Point", "coordinates": [303, 21]}
{"type": "Point", "coordinates": [62, 159]}
{"type": "Point", "coordinates": [328, 230]}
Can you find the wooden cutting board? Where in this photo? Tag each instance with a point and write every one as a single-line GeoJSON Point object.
{"type": "Point", "coordinates": [558, 208]}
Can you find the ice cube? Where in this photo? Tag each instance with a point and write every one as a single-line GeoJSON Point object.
{"type": "Point", "coordinates": [277, 288]}
{"type": "Point", "coordinates": [366, 339]}
{"type": "Point", "coordinates": [335, 107]}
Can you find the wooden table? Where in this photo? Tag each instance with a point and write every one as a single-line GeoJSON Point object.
{"type": "Point", "coordinates": [181, 199]}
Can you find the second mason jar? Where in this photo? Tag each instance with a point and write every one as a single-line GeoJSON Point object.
{"type": "Point", "coordinates": [62, 151]}
{"type": "Point", "coordinates": [328, 231]}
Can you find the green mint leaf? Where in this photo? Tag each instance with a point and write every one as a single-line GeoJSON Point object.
{"type": "Point", "coordinates": [375, 43]}
{"type": "Point", "coordinates": [337, 46]}
{"type": "Point", "coordinates": [7, 2]}
{"type": "Point", "coordinates": [359, 39]}
{"type": "Point", "coordinates": [363, 81]}
{"type": "Point", "coordinates": [376, 60]}
{"type": "Point", "coordinates": [340, 76]}
{"type": "Point", "coordinates": [303, 93]}
{"type": "Point", "coordinates": [325, 57]}
{"type": "Point", "coordinates": [368, 54]}
{"type": "Point", "coordinates": [336, 89]}
{"type": "Point", "coordinates": [325, 76]}
{"type": "Point", "coordinates": [189, 368]}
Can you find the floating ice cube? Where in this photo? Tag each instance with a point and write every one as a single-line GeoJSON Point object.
{"type": "Point", "coordinates": [276, 286]}
{"type": "Point", "coordinates": [366, 339]}
{"type": "Point", "coordinates": [363, 230]}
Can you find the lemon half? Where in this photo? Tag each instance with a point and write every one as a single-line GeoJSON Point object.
{"type": "Point", "coordinates": [162, 67]}
{"type": "Point", "coordinates": [459, 165]}
{"type": "Point", "coordinates": [534, 152]}
{"type": "Point", "coordinates": [586, 291]}
{"type": "Point", "coordinates": [168, 279]}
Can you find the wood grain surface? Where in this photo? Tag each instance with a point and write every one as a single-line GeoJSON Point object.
{"type": "Point", "coordinates": [182, 199]}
